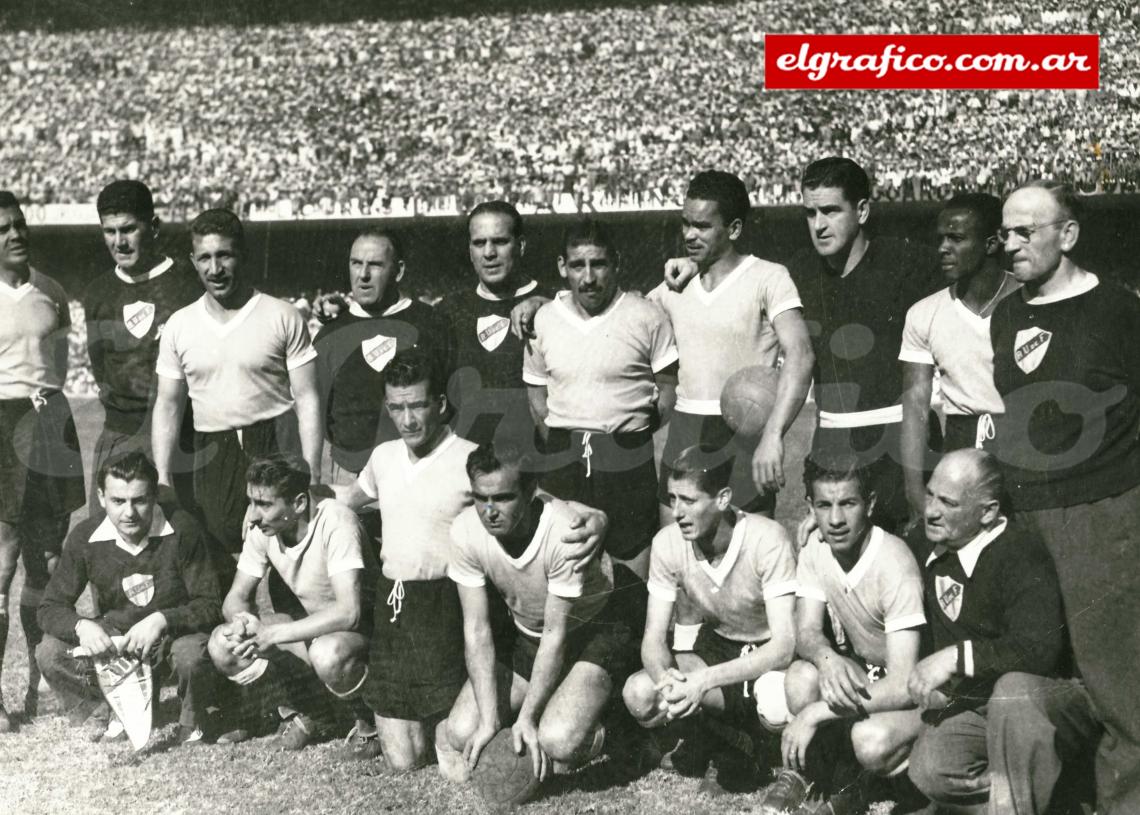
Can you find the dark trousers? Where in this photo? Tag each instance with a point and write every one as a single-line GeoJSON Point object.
{"type": "Point", "coordinates": [73, 678]}
{"type": "Point", "coordinates": [1096, 548]}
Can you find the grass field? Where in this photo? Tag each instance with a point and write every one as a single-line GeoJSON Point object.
{"type": "Point", "coordinates": [48, 768]}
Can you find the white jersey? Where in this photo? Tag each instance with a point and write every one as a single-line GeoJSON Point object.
{"type": "Point", "coordinates": [940, 331]}
{"type": "Point", "coordinates": [418, 501]}
{"type": "Point", "coordinates": [721, 331]}
{"type": "Point", "coordinates": [599, 372]}
{"type": "Point", "coordinates": [237, 372]}
{"type": "Point", "coordinates": [34, 316]}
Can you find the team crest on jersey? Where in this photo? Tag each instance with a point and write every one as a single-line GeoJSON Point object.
{"type": "Point", "coordinates": [378, 351]}
{"type": "Point", "coordinates": [1029, 347]}
{"type": "Point", "coordinates": [492, 330]}
{"type": "Point", "coordinates": [138, 317]}
{"type": "Point", "coordinates": [139, 588]}
{"type": "Point", "coordinates": [949, 593]}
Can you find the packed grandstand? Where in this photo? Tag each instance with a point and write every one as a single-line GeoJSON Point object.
{"type": "Point", "coordinates": [582, 108]}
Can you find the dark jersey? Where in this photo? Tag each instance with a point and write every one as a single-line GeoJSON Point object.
{"type": "Point", "coordinates": [1007, 606]}
{"type": "Point", "coordinates": [856, 322]}
{"type": "Point", "coordinates": [1069, 374]}
{"type": "Point", "coordinates": [125, 318]}
{"type": "Point", "coordinates": [352, 352]}
{"type": "Point", "coordinates": [171, 575]}
{"type": "Point", "coordinates": [486, 386]}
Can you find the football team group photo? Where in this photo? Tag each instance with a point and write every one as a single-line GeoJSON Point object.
{"type": "Point", "coordinates": [851, 528]}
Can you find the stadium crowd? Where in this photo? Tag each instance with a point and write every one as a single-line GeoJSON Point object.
{"type": "Point", "coordinates": [607, 106]}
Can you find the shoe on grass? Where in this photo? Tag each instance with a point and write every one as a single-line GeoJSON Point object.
{"type": "Point", "coordinates": [235, 736]}
{"type": "Point", "coordinates": [114, 732]}
{"type": "Point", "coordinates": [360, 745]}
{"type": "Point", "coordinates": [786, 794]}
{"type": "Point", "coordinates": [5, 720]}
{"type": "Point", "coordinates": [689, 758]}
{"type": "Point", "coordinates": [730, 771]}
{"type": "Point", "coordinates": [191, 735]}
{"type": "Point", "coordinates": [96, 726]}
{"type": "Point", "coordinates": [296, 731]}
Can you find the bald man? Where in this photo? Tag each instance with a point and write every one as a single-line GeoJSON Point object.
{"type": "Point", "coordinates": [1066, 366]}
{"type": "Point", "coordinates": [993, 606]}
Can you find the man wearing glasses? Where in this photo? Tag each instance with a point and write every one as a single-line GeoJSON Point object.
{"type": "Point", "coordinates": [1066, 366]}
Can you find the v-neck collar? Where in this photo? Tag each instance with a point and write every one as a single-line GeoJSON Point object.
{"type": "Point", "coordinates": [863, 564]}
{"type": "Point", "coordinates": [706, 296]}
{"type": "Point", "coordinates": [165, 265]}
{"type": "Point", "coordinates": [17, 293]}
{"type": "Point", "coordinates": [719, 573]}
{"type": "Point", "coordinates": [584, 324]}
{"type": "Point", "coordinates": [531, 551]}
{"type": "Point", "coordinates": [1076, 290]}
{"type": "Point", "coordinates": [969, 554]}
{"type": "Point", "coordinates": [411, 469]}
{"type": "Point", "coordinates": [225, 329]}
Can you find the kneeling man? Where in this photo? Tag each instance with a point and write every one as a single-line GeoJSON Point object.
{"type": "Point", "coordinates": [739, 571]}
{"type": "Point", "coordinates": [556, 681]}
{"type": "Point", "coordinates": [152, 574]}
{"type": "Point", "coordinates": [848, 691]}
{"type": "Point", "coordinates": [320, 553]}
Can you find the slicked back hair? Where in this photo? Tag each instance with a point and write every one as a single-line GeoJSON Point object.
{"type": "Point", "coordinates": [380, 233]}
{"type": "Point", "coordinates": [704, 465]}
{"type": "Point", "coordinates": [487, 458]}
{"type": "Point", "coordinates": [589, 232]}
{"type": "Point", "coordinates": [835, 470]}
{"type": "Point", "coordinates": [726, 189]}
{"type": "Point", "coordinates": [498, 208]}
{"type": "Point", "coordinates": [8, 200]}
{"type": "Point", "coordinates": [219, 222]}
{"type": "Point", "coordinates": [836, 171]}
{"type": "Point", "coordinates": [412, 366]}
{"type": "Point", "coordinates": [286, 474]}
{"type": "Point", "coordinates": [1066, 197]}
{"type": "Point", "coordinates": [129, 467]}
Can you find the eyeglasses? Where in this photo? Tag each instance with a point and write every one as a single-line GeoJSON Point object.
{"type": "Point", "coordinates": [1024, 233]}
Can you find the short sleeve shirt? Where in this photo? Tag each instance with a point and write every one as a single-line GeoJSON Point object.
{"type": "Point", "coordinates": [418, 501]}
{"type": "Point", "coordinates": [32, 317]}
{"type": "Point", "coordinates": [880, 595]}
{"type": "Point", "coordinates": [758, 566]}
{"type": "Point", "coordinates": [599, 372]}
{"type": "Point", "coordinates": [721, 331]}
{"type": "Point", "coordinates": [543, 568]}
{"type": "Point", "coordinates": [335, 543]}
{"type": "Point", "coordinates": [237, 372]}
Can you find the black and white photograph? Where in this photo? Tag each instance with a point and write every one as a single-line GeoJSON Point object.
{"type": "Point", "coordinates": [570, 406]}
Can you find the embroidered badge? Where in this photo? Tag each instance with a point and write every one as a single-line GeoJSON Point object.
{"type": "Point", "coordinates": [378, 351]}
{"type": "Point", "coordinates": [949, 593]}
{"type": "Point", "coordinates": [138, 317]}
{"type": "Point", "coordinates": [139, 588]}
{"type": "Point", "coordinates": [1029, 347]}
{"type": "Point", "coordinates": [492, 330]}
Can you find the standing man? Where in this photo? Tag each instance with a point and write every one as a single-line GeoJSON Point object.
{"type": "Point", "coordinates": [856, 290]}
{"type": "Point", "coordinates": [1066, 366]}
{"type": "Point", "coordinates": [601, 373]}
{"type": "Point", "coordinates": [994, 607]}
{"type": "Point", "coordinates": [848, 692]}
{"type": "Point", "coordinates": [737, 311]}
{"type": "Point", "coordinates": [486, 387]}
{"type": "Point", "coordinates": [157, 589]}
{"type": "Point", "coordinates": [41, 472]}
{"type": "Point", "coordinates": [949, 331]}
{"type": "Point", "coordinates": [126, 310]}
{"type": "Point", "coordinates": [320, 552]}
{"type": "Point", "coordinates": [355, 347]}
{"type": "Point", "coordinates": [245, 361]}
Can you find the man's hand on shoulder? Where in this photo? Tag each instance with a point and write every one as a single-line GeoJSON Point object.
{"type": "Point", "coordinates": [587, 531]}
{"type": "Point", "coordinates": [329, 306]}
{"type": "Point", "coordinates": [678, 272]}
{"type": "Point", "coordinates": [522, 316]}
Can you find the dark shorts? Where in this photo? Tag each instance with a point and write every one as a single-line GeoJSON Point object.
{"type": "Point", "coordinates": [416, 665]}
{"type": "Point", "coordinates": [713, 649]}
{"type": "Point", "coordinates": [618, 477]}
{"type": "Point", "coordinates": [220, 463]}
{"type": "Point", "coordinates": [41, 470]}
{"type": "Point", "coordinates": [962, 434]}
{"type": "Point", "coordinates": [602, 641]}
{"type": "Point", "coordinates": [688, 430]}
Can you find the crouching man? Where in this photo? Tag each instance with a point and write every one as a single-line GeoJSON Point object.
{"type": "Point", "coordinates": [557, 678]}
{"type": "Point", "coordinates": [848, 691]}
{"type": "Point", "coordinates": [739, 571]}
{"type": "Point", "coordinates": [318, 631]}
{"type": "Point", "coordinates": [152, 574]}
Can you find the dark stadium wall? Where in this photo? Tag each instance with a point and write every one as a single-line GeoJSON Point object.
{"type": "Point", "coordinates": [294, 257]}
